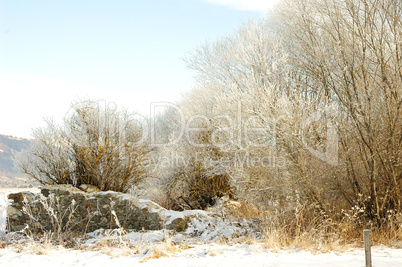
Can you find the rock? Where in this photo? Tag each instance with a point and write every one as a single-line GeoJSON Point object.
{"type": "Point", "coordinates": [63, 189]}
{"type": "Point", "coordinates": [18, 198]}
{"type": "Point", "coordinates": [89, 188]}
{"type": "Point", "coordinates": [179, 224]}
{"type": "Point", "coordinates": [13, 212]}
{"type": "Point", "coordinates": [97, 207]}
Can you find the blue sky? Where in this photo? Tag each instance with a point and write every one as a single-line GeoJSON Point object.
{"type": "Point", "coordinates": [53, 52]}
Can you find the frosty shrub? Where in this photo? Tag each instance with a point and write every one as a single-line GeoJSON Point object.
{"type": "Point", "coordinates": [95, 145]}
{"type": "Point", "coordinates": [194, 187]}
{"type": "Point", "coordinates": [188, 172]}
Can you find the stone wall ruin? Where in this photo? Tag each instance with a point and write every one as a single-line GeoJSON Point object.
{"type": "Point", "coordinates": [86, 210]}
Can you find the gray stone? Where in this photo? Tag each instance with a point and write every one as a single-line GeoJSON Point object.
{"type": "Point", "coordinates": [13, 212]}
{"type": "Point", "coordinates": [89, 211]}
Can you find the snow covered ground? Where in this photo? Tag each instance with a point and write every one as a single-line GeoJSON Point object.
{"type": "Point", "coordinates": [159, 248]}
{"type": "Point", "coordinates": [204, 255]}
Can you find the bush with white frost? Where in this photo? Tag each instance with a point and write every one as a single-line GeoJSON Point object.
{"type": "Point", "coordinates": [97, 146]}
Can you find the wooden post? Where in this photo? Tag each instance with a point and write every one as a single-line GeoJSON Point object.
{"type": "Point", "coordinates": [367, 247]}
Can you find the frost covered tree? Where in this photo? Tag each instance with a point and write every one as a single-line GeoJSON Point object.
{"type": "Point", "coordinates": [349, 53]}
{"type": "Point", "coordinates": [323, 78]}
{"type": "Point", "coordinates": [96, 145]}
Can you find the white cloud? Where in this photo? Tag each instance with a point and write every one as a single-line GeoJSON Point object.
{"type": "Point", "coordinates": [255, 5]}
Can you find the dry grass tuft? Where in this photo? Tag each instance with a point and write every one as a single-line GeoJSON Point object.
{"type": "Point", "coordinates": [165, 249]}
{"type": "Point", "coordinates": [211, 253]}
{"type": "Point", "coordinates": [4, 244]}
{"type": "Point", "coordinates": [184, 246]}
{"type": "Point", "coordinates": [38, 247]}
{"type": "Point", "coordinates": [247, 211]}
{"type": "Point", "coordinates": [154, 253]}
{"type": "Point", "coordinates": [113, 247]}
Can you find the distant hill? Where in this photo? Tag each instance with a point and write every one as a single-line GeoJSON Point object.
{"type": "Point", "coordinates": [9, 175]}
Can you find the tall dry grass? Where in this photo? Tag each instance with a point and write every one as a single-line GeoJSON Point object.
{"type": "Point", "coordinates": [304, 226]}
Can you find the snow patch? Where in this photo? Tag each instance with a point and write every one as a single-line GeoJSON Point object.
{"type": "Point", "coordinates": [3, 213]}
